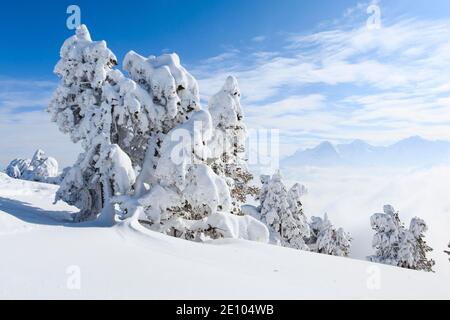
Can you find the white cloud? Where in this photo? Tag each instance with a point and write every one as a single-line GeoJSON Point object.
{"type": "Point", "coordinates": [381, 85]}
{"type": "Point", "coordinates": [290, 105]}
{"type": "Point", "coordinates": [25, 126]}
{"type": "Point", "coordinates": [21, 136]}
{"type": "Point", "coordinates": [259, 39]}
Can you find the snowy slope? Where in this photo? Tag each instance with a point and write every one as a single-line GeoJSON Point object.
{"type": "Point", "coordinates": [38, 250]}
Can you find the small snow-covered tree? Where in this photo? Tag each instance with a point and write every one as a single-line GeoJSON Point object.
{"type": "Point", "coordinates": [398, 246]}
{"type": "Point", "coordinates": [275, 203]}
{"type": "Point", "coordinates": [276, 213]}
{"type": "Point", "coordinates": [388, 228]}
{"type": "Point", "coordinates": [17, 167]}
{"type": "Point", "coordinates": [414, 249]}
{"type": "Point", "coordinates": [296, 208]}
{"type": "Point", "coordinates": [326, 239]}
{"type": "Point", "coordinates": [228, 142]}
{"type": "Point", "coordinates": [261, 197]}
{"type": "Point", "coordinates": [40, 168]}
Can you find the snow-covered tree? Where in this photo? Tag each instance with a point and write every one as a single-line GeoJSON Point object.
{"type": "Point", "coordinates": [17, 167]}
{"type": "Point", "coordinates": [282, 215]}
{"type": "Point", "coordinates": [295, 205]}
{"type": "Point", "coordinates": [398, 246]}
{"type": "Point", "coordinates": [326, 239]}
{"type": "Point", "coordinates": [79, 109]}
{"type": "Point", "coordinates": [261, 197]}
{"type": "Point", "coordinates": [228, 143]}
{"type": "Point", "coordinates": [386, 240]}
{"type": "Point", "coordinates": [175, 186]}
{"type": "Point", "coordinates": [40, 168]}
{"type": "Point", "coordinates": [282, 211]}
{"type": "Point", "coordinates": [145, 141]}
{"type": "Point", "coordinates": [108, 112]}
{"type": "Point", "coordinates": [414, 249]}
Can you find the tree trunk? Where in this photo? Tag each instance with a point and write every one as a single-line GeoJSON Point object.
{"type": "Point", "coordinates": [108, 214]}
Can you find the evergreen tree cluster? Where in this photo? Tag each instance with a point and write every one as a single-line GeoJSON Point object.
{"type": "Point", "coordinates": [397, 245]}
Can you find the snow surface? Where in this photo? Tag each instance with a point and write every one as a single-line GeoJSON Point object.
{"type": "Point", "coordinates": [39, 253]}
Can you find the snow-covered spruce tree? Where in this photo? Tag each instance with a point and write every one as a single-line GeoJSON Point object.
{"type": "Point", "coordinates": [40, 168]}
{"type": "Point", "coordinates": [282, 215]}
{"type": "Point", "coordinates": [261, 197]}
{"type": "Point", "coordinates": [282, 211]}
{"type": "Point", "coordinates": [145, 141]}
{"type": "Point", "coordinates": [295, 205]}
{"type": "Point", "coordinates": [388, 229]}
{"type": "Point", "coordinates": [398, 246]}
{"type": "Point", "coordinates": [414, 249]}
{"type": "Point", "coordinates": [326, 239]}
{"type": "Point", "coordinates": [228, 143]}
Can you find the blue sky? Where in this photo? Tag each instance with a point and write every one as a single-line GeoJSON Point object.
{"type": "Point", "coordinates": [309, 68]}
{"type": "Point", "coordinates": [195, 29]}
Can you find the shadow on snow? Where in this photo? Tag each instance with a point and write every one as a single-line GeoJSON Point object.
{"type": "Point", "coordinates": [28, 213]}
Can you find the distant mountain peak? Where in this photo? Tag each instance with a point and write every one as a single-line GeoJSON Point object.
{"type": "Point", "coordinates": [358, 142]}
{"type": "Point", "coordinates": [412, 151]}
{"type": "Point", "coordinates": [414, 139]}
{"type": "Point", "coordinates": [325, 145]}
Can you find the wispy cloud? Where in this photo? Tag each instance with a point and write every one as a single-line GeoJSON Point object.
{"type": "Point", "coordinates": [259, 39]}
{"type": "Point", "coordinates": [18, 94]}
{"type": "Point", "coordinates": [25, 125]}
{"type": "Point", "coordinates": [380, 85]}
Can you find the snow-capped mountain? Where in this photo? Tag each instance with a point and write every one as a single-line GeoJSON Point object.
{"type": "Point", "coordinates": [325, 154]}
{"type": "Point", "coordinates": [413, 151]}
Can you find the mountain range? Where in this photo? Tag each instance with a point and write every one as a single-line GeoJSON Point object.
{"type": "Point", "coordinates": [413, 151]}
